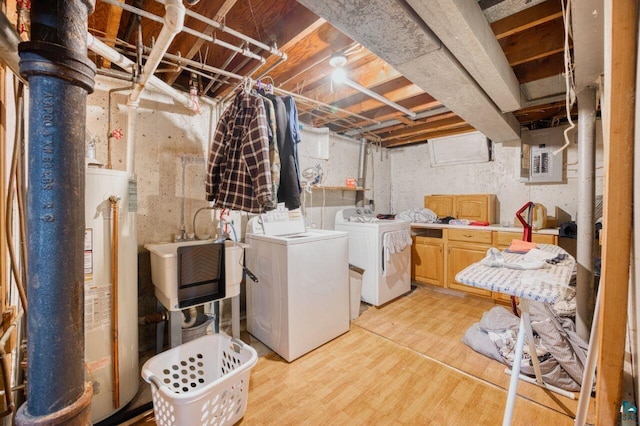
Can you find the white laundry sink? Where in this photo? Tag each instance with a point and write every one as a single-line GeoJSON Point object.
{"type": "Point", "coordinates": [164, 269]}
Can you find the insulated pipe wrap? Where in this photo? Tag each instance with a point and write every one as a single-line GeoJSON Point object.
{"type": "Point", "coordinates": [60, 75]}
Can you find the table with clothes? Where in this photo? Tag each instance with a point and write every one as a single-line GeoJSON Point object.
{"type": "Point", "coordinates": [539, 277]}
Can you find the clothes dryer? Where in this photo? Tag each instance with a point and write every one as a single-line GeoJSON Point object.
{"type": "Point", "coordinates": [387, 272]}
{"type": "Point", "coordinates": [301, 299]}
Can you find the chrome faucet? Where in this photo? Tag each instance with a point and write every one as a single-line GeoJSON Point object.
{"type": "Point", "coordinates": [183, 236]}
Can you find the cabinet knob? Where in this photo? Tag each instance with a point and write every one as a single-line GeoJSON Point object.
{"type": "Point", "coordinates": [468, 235]}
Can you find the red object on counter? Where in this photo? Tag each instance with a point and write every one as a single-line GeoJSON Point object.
{"type": "Point", "coordinates": [479, 223]}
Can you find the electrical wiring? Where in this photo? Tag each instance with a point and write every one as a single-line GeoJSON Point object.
{"type": "Point", "coordinates": [570, 97]}
{"type": "Point", "coordinates": [13, 176]}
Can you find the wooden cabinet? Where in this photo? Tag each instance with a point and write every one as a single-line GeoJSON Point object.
{"type": "Point", "coordinates": [442, 205]}
{"type": "Point", "coordinates": [427, 260]}
{"type": "Point", "coordinates": [438, 254]}
{"type": "Point", "coordinates": [478, 207]}
{"type": "Point", "coordinates": [466, 246]}
{"type": "Point", "coordinates": [503, 239]}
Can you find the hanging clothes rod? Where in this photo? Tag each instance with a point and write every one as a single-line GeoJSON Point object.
{"type": "Point", "coordinates": [331, 108]}
{"type": "Point", "coordinates": [224, 28]}
{"type": "Point", "coordinates": [214, 40]}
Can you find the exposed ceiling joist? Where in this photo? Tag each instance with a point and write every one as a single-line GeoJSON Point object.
{"type": "Point", "coordinates": [208, 30]}
{"type": "Point", "coordinates": [528, 18]}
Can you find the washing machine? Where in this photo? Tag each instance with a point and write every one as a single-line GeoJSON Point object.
{"type": "Point", "coordinates": [387, 274]}
{"type": "Point", "coordinates": [301, 298]}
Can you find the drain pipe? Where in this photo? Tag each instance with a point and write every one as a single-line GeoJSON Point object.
{"type": "Point", "coordinates": [173, 24]}
{"type": "Point", "coordinates": [60, 75]}
{"type": "Point", "coordinates": [362, 172]}
{"type": "Point", "coordinates": [585, 214]}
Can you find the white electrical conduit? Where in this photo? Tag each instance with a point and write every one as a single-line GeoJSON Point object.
{"type": "Point", "coordinates": [225, 29]}
{"type": "Point", "coordinates": [214, 40]}
{"type": "Point", "coordinates": [568, 73]}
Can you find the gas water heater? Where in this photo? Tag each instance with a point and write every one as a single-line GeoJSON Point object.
{"type": "Point", "coordinates": [110, 268]}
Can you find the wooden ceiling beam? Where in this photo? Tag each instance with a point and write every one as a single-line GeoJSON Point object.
{"type": "Point", "coordinates": [422, 138]}
{"type": "Point", "coordinates": [417, 104]}
{"type": "Point", "coordinates": [540, 68]}
{"type": "Point", "coordinates": [431, 123]}
{"type": "Point", "coordinates": [300, 24]}
{"type": "Point", "coordinates": [114, 13]}
{"type": "Point", "coordinates": [535, 43]}
{"type": "Point", "coordinates": [312, 51]}
{"type": "Point", "coordinates": [314, 77]}
{"type": "Point", "coordinates": [528, 18]}
{"type": "Point", "coordinates": [208, 30]}
{"type": "Point", "coordinates": [374, 73]}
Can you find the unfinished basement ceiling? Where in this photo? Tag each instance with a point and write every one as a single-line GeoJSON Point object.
{"type": "Point", "coordinates": [457, 65]}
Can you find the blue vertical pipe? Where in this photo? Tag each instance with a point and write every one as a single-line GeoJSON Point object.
{"type": "Point", "coordinates": [60, 75]}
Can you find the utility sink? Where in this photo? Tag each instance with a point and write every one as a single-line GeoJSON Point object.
{"type": "Point", "coordinates": [164, 269]}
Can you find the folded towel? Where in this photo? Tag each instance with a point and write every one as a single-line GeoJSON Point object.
{"type": "Point", "coordinates": [393, 242]}
{"type": "Point", "coordinates": [519, 246]}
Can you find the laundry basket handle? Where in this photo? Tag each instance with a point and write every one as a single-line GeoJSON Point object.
{"type": "Point", "coordinates": [238, 344]}
{"type": "Point", "coordinates": [154, 380]}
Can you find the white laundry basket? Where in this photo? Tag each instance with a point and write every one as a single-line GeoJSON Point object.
{"type": "Point", "coordinates": [203, 382]}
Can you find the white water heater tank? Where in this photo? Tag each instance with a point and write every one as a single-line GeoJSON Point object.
{"type": "Point", "coordinates": [101, 184]}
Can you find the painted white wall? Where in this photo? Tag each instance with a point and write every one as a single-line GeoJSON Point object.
{"type": "Point", "coordinates": [171, 145]}
{"type": "Point", "coordinates": [414, 177]}
{"type": "Point", "coordinates": [320, 206]}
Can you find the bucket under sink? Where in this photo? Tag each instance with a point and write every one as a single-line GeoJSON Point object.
{"type": "Point", "coordinates": [164, 269]}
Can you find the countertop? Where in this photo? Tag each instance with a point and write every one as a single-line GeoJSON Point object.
{"type": "Point", "coordinates": [494, 227]}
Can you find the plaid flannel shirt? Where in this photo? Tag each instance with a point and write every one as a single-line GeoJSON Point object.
{"type": "Point", "coordinates": [239, 175]}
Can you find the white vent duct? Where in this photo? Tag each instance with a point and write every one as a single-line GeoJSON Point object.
{"type": "Point", "coordinates": [391, 30]}
{"type": "Point", "coordinates": [464, 29]}
{"type": "Point", "coordinates": [588, 41]}
{"type": "Point", "coordinates": [459, 149]}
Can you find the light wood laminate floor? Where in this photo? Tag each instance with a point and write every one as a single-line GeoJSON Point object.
{"type": "Point", "coordinates": [400, 364]}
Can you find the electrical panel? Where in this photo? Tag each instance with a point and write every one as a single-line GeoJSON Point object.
{"type": "Point", "coordinates": [538, 161]}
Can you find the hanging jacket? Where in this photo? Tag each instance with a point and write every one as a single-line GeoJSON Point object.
{"type": "Point", "coordinates": [289, 190]}
{"type": "Point", "coordinates": [294, 133]}
{"type": "Point", "coordinates": [239, 175]}
{"type": "Point", "coordinates": [274, 154]}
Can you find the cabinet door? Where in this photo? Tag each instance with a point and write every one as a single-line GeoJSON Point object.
{"type": "Point", "coordinates": [441, 205]}
{"type": "Point", "coordinates": [427, 261]}
{"type": "Point", "coordinates": [479, 207]}
{"type": "Point", "coordinates": [459, 257]}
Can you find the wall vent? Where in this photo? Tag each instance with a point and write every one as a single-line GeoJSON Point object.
{"type": "Point", "coordinates": [460, 149]}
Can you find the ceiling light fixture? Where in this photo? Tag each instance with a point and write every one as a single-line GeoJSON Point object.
{"type": "Point", "coordinates": [339, 75]}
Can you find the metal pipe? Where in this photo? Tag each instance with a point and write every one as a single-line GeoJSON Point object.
{"type": "Point", "coordinates": [237, 34]}
{"type": "Point", "coordinates": [214, 40]}
{"type": "Point", "coordinates": [115, 358]}
{"type": "Point", "coordinates": [585, 215]}
{"type": "Point", "coordinates": [9, 40]}
{"type": "Point", "coordinates": [128, 65]}
{"type": "Point", "coordinates": [109, 129]}
{"type": "Point", "coordinates": [376, 96]}
{"type": "Point", "coordinates": [60, 75]}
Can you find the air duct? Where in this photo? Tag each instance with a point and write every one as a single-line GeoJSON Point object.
{"type": "Point", "coordinates": [403, 40]}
